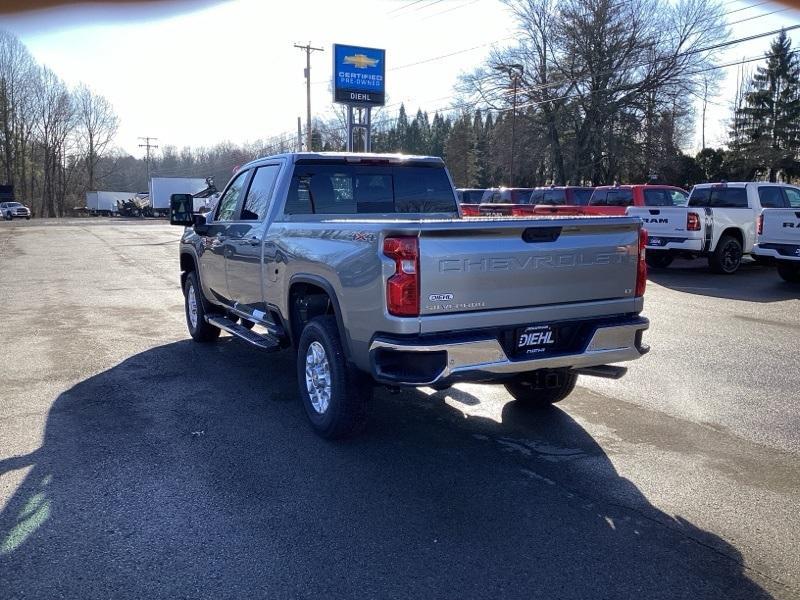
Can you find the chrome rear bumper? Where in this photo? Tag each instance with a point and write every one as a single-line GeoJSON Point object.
{"type": "Point", "coordinates": [485, 359]}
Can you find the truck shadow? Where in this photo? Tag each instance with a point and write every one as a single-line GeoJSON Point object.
{"type": "Point", "coordinates": [189, 471]}
{"type": "Point", "coordinates": [751, 283]}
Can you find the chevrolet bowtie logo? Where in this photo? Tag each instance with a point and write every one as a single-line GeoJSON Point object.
{"type": "Point", "coordinates": [360, 61]}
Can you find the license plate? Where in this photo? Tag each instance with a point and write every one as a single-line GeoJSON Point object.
{"type": "Point", "coordinates": [536, 339]}
{"type": "Point", "coordinates": [653, 241]}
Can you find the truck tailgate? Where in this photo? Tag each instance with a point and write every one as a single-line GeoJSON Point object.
{"type": "Point", "coordinates": [781, 226]}
{"type": "Point", "coordinates": [515, 263]}
{"type": "Point", "coordinates": [669, 224]}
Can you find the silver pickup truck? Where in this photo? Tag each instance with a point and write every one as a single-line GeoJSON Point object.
{"type": "Point", "coordinates": [361, 264]}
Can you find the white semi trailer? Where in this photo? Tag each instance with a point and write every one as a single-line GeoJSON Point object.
{"type": "Point", "coordinates": [162, 188]}
{"type": "Point", "coordinates": [105, 203]}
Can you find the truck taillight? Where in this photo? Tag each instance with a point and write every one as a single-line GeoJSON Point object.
{"type": "Point", "coordinates": [760, 224]}
{"type": "Point", "coordinates": [692, 221]}
{"type": "Point", "coordinates": [641, 265]}
{"type": "Point", "coordinates": [402, 288]}
{"type": "Point", "coordinates": [470, 211]}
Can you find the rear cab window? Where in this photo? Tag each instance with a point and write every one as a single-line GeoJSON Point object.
{"type": "Point", "coordinates": [657, 198]}
{"type": "Point", "coordinates": [719, 197]}
{"type": "Point", "coordinates": [329, 188]}
{"type": "Point", "coordinates": [621, 197]}
{"type": "Point", "coordinates": [555, 197]}
{"type": "Point", "coordinates": [771, 196]}
{"type": "Point", "coordinates": [582, 197]}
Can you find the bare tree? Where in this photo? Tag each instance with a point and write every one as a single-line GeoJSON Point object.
{"type": "Point", "coordinates": [16, 69]}
{"type": "Point", "coordinates": [54, 122]}
{"type": "Point", "coordinates": [97, 124]}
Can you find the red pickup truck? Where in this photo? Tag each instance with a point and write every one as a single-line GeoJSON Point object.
{"type": "Point", "coordinates": [613, 200]}
{"type": "Point", "coordinates": [522, 201]}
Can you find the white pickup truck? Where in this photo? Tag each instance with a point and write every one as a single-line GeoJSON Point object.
{"type": "Point", "coordinates": [719, 223]}
{"type": "Point", "coordinates": [779, 237]}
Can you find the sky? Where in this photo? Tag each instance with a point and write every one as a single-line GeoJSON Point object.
{"type": "Point", "coordinates": [203, 72]}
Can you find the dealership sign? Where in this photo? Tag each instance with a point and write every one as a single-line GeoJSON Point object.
{"type": "Point", "coordinates": [359, 75]}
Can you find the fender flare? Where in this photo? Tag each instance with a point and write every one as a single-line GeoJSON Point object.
{"type": "Point", "coordinates": [337, 311]}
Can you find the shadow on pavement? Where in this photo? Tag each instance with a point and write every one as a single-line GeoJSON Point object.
{"type": "Point", "coordinates": [188, 471]}
{"type": "Point", "coordinates": [751, 283]}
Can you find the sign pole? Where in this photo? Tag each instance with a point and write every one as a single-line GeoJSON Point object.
{"type": "Point", "coordinates": [350, 127]}
{"type": "Point", "coordinates": [368, 129]}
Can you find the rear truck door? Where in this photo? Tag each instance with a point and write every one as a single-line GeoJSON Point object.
{"type": "Point", "coordinates": [665, 224]}
{"type": "Point", "coordinates": [514, 263]}
{"type": "Point", "coordinates": [216, 240]}
{"type": "Point", "coordinates": [243, 261]}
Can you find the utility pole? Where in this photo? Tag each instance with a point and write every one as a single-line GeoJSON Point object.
{"type": "Point", "coordinates": [308, 48]}
{"type": "Point", "coordinates": [147, 145]}
{"type": "Point", "coordinates": [515, 72]}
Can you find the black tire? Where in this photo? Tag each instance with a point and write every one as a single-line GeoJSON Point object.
{"type": "Point", "coordinates": [727, 256]}
{"type": "Point", "coordinates": [659, 259]}
{"type": "Point", "coordinates": [199, 330]}
{"type": "Point", "coordinates": [789, 272]}
{"type": "Point", "coordinates": [350, 391]}
{"type": "Point", "coordinates": [27, 218]}
{"type": "Point", "coordinates": [541, 389]}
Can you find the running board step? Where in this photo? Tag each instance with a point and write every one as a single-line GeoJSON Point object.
{"type": "Point", "coordinates": [265, 342]}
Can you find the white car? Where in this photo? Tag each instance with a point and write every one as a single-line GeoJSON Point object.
{"type": "Point", "coordinates": [779, 237]}
{"type": "Point", "coordinates": [718, 223]}
{"type": "Point", "coordinates": [14, 210]}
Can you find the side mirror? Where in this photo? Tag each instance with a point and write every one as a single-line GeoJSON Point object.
{"type": "Point", "coordinates": [181, 210]}
{"type": "Point", "coordinates": [200, 223]}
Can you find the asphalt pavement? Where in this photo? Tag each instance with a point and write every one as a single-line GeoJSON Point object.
{"type": "Point", "coordinates": [135, 463]}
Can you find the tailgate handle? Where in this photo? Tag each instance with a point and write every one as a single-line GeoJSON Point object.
{"type": "Point", "coordinates": [541, 234]}
{"type": "Point", "coordinates": [655, 212]}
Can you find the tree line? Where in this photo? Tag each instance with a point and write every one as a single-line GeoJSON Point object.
{"type": "Point", "coordinates": [590, 92]}
{"type": "Point", "coordinates": [52, 138]}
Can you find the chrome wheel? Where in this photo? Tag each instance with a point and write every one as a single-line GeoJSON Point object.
{"type": "Point", "coordinates": [318, 377]}
{"type": "Point", "coordinates": [191, 303]}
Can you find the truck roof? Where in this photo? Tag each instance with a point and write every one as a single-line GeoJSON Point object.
{"type": "Point", "coordinates": [644, 186]}
{"type": "Point", "coordinates": [354, 157]}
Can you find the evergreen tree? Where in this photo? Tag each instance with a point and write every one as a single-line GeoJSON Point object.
{"type": "Point", "coordinates": [768, 124]}
{"type": "Point", "coordinates": [460, 153]}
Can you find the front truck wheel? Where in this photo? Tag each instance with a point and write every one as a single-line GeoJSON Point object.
{"type": "Point", "coordinates": [334, 394]}
{"type": "Point", "coordinates": [194, 303]}
{"type": "Point", "coordinates": [540, 389]}
{"type": "Point", "coordinates": [789, 271]}
{"type": "Point", "coordinates": [659, 259]}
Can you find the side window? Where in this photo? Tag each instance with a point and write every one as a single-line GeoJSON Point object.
{"type": "Point", "coordinates": [230, 199]}
{"type": "Point", "coordinates": [259, 195]}
{"type": "Point", "coordinates": [793, 195]}
{"type": "Point", "coordinates": [679, 198]}
{"type": "Point", "coordinates": [598, 199]}
{"type": "Point", "coordinates": [771, 197]}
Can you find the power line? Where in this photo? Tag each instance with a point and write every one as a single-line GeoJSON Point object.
{"type": "Point", "coordinates": [405, 6]}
